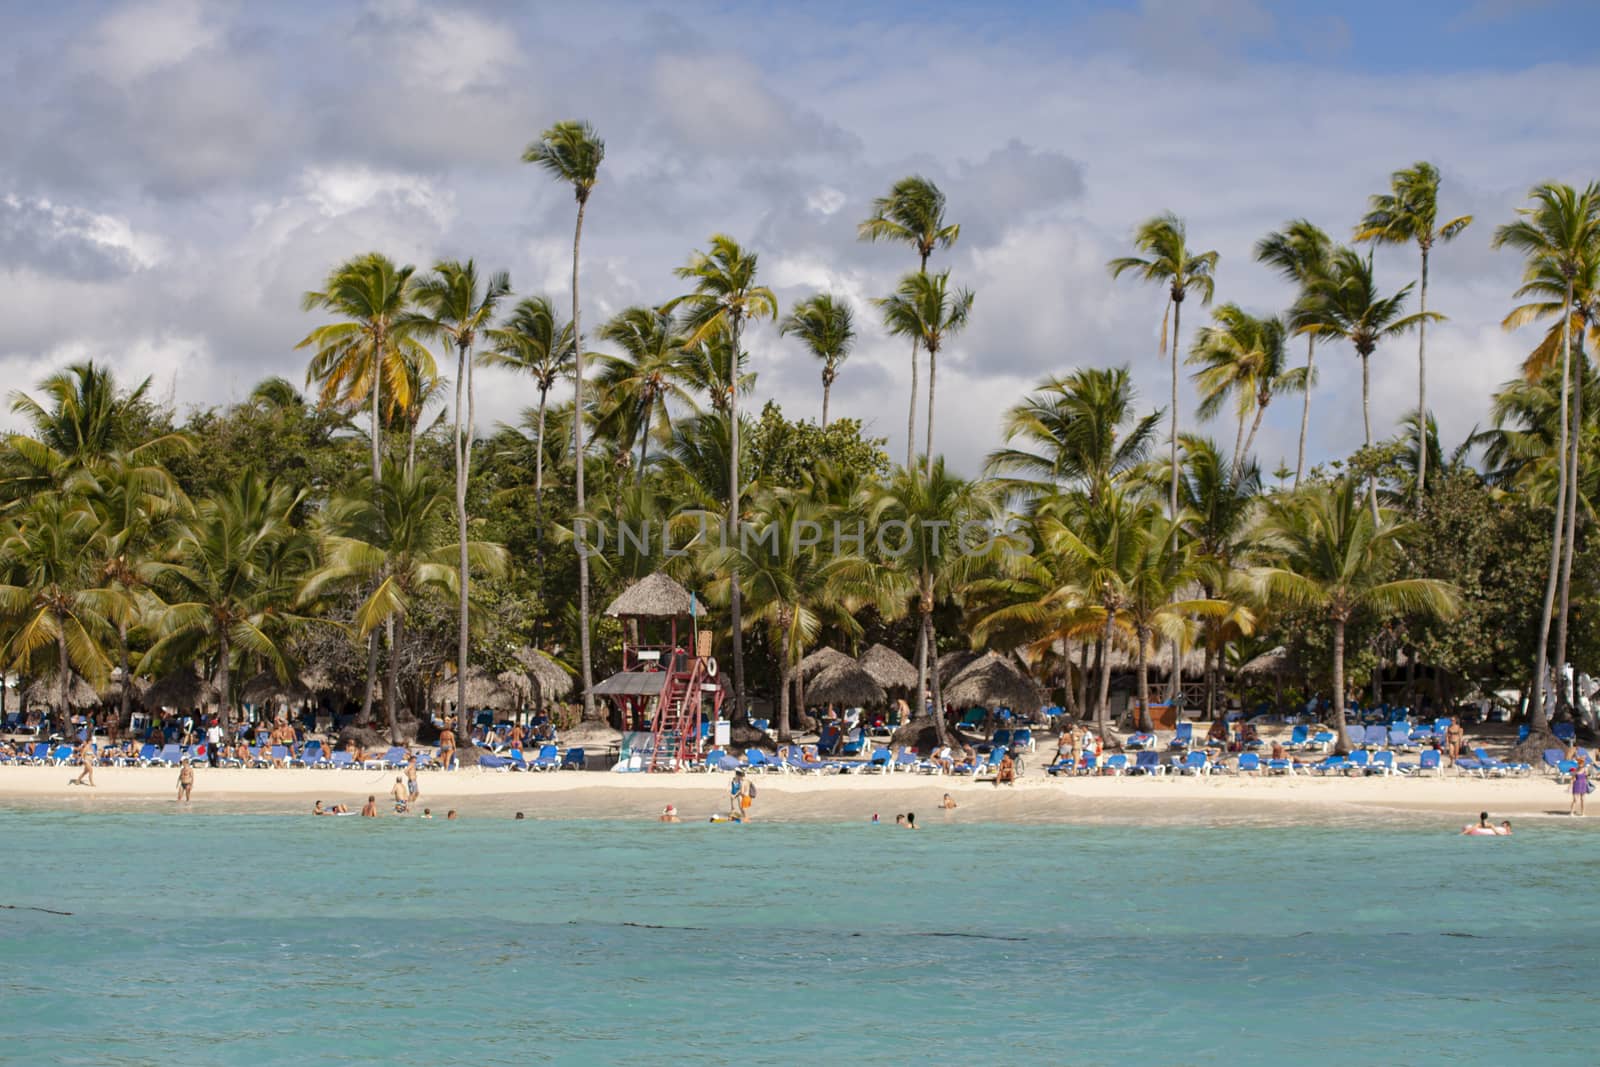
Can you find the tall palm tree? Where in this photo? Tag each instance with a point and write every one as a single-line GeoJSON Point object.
{"type": "Point", "coordinates": [1242, 357]}
{"type": "Point", "coordinates": [724, 299]}
{"type": "Point", "coordinates": [925, 309]}
{"type": "Point", "coordinates": [357, 358]}
{"type": "Point", "coordinates": [228, 594]}
{"type": "Point", "coordinates": [54, 596]}
{"type": "Point", "coordinates": [571, 152]}
{"type": "Point", "coordinates": [532, 342]}
{"type": "Point", "coordinates": [1074, 432]}
{"type": "Point", "coordinates": [1410, 212]}
{"type": "Point", "coordinates": [826, 326]}
{"type": "Point", "coordinates": [640, 383]}
{"type": "Point", "coordinates": [1557, 232]}
{"type": "Point", "coordinates": [1348, 306]}
{"type": "Point", "coordinates": [912, 214]}
{"type": "Point", "coordinates": [397, 543]}
{"type": "Point", "coordinates": [1301, 253]}
{"type": "Point", "coordinates": [1167, 261]}
{"type": "Point", "coordinates": [1333, 557]}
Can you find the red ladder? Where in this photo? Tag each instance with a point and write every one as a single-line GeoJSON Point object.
{"type": "Point", "coordinates": [675, 734]}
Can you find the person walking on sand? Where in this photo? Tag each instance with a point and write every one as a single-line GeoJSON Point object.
{"type": "Point", "coordinates": [741, 794]}
{"type": "Point", "coordinates": [447, 744]}
{"type": "Point", "coordinates": [185, 783]}
{"type": "Point", "coordinates": [371, 809]}
{"type": "Point", "coordinates": [1453, 736]}
{"type": "Point", "coordinates": [400, 795]}
{"type": "Point", "coordinates": [1580, 785]}
{"type": "Point", "coordinates": [85, 757]}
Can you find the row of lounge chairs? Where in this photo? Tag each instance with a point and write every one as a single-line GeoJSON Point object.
{"type": "Point", "coordinates": [548, 758]}
{"type": "Point", "coordinates": [151, 755]}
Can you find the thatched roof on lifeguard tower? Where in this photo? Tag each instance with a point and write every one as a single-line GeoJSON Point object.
{"type": "Point", "coordinates": [991, 681]}
{"type": "Point", "coordinates": [655, 597]}
{"type": "Point", "coordinates": [889, 668]}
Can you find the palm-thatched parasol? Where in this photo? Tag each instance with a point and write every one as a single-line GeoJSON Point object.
{"type": "Point", "coordinates": [994, 680]}
{"type": "Point", "coordinates": [889, 668]}
{"type": "Point", "coordinates": [1273, 662]}
{"type": "Point", "coordinates": [265, 687]}
{"type": "Point", "coordinates": [820, 660]}
{"type": "Point", "coordinates": [844, 682]}
{"type": "Point", "coordinates": [180, 690]}
{"type": "Point", "coordinates": [951, 664]}
{"type": "Point", "coordinates": [553, 680]}
{"type": "Point", "coordinates": [484, 690]}
{"type": "Point", "coordinates": [655, 597]}
{"type": "Point", "coordinates": [80, 694]}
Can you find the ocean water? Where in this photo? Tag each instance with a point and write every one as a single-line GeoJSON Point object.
{"type": "Point", "coordinates": [246, 939]}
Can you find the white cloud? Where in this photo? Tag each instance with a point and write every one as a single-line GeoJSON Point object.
{"type": "Point", "coordinates": [139, 39]}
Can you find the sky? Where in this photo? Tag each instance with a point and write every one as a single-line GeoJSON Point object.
{"type": "Point", "coordinates": [176, 173]}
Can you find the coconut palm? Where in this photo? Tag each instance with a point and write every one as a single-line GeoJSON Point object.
{"type": "Point", "coordinates": [1242, 357]}
{"type": "Point", "coordinates": [54, 598]}
{"type": "Point", "coordinates": [229, 591]}
{"type": "Point", "coordinates": [1408, 213]}
{"type": "Point", "coordinates": [1557, 233]}
{"type": "Point", "coordinates": [532, 342]}
{"type": "Point", "coordinates": [1300, 252]}
{"type": "Point", "coordinates": [571, 152]}
{"type": "Point", "coordinates": [458, 306]}
{"type": "Point", "coordinates": [1333, 556]}
{"type": "Point", "coordinates": [826, 326]}
{"type": "Point", "coordinates": [724, 299]}
{"type": "Point", "coordinates": [1077, 432]}
{"type": "Point", "coordinates": [912, 214]}
{"type": "Point", "coordinates": [1167, 261]}
{"type": "Point", "coordinates": [707, 371]}
{"type": "Point", "coordinates": [639, 384]}
{"type": "Point", "coordinates": [925, 309]}
{"type": "Point", "coordinates": [397, 542]}
{"type": "Point", "coordinates": [356, 359]}
{"type": "Point", "coordinates": [1348, 306]}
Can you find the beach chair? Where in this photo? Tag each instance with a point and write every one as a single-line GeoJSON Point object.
{"type": "Point", "coordinates": [1382, 764]}
{"type": "Point", "coordinates": [314, 755]}
{"type": "Point", "coordinates": [1498, 767]}
{"type": "Point", "coordinates": [548, 759]}
{"type": "Point", "coordinates": [1320, 741]}
{"type": "Point", "coordinates": [988, 767]}
{"type": "Point", "coordinates": [1565, 731]}
{"type": "Point", "coordinates": [1429, 761]}
{"type": "Point", "coordinates": [1148, 762]}
{"type": "Point", "coordinates": [855, 743]}
{"type": "Point", "coordinates": [757, 760]}
{"type": "Point", "coordinates": [1002, 738]}
{"type": "Point", "coordinates": [1357, 763]}
{"type": "Point", "coordinates": [490, 762]}
{"type": "Point", "coordinates": [1057, 768]}
{"type": "Point", "coordinates": [1140, 740]}
{"type": "Point", "coordinates": [1248, 763]}
{"type": "Point", "coordinates": [61, 755]}
{"type": "Point", "coordinates": [575, 760]}
{"type": "Point", "coordinates": [1400, 739]}
{"type": "Point", "coordinates": [1299, 737]}
{"type": "Point", "coordinates": [1183, 738]}
{"type": "Point", "coordinates": [1279, 766]}
{"type": "Point", "coordinates": [395, 758]}
{"type": "Point", "coordinates": [877, 763]}
{"type": "Point", "coordinates": [517, 762]}
{"type": "Point", "coordinates": [1115, 765]}
{"type": "Point", "coordinates": [1197, 763]}
{"type": "Point", "coordinates": [1329, 764]}
{"type": "Point", "coordinates": [147, 754]}
{"type": "Point", "coordinates": [1089, 765]}
{"type": "Point", "coordinates": [1022, 738]}
{"type": "Point", "coordinates": [1376, 737]}
{"type": "Point", "coordinates": [171, 755]}
{"type": "Point", "coordinates": [342, 761]}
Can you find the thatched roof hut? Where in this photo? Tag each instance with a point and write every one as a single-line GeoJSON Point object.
{"type": "Point", "coordinates": [1269, 663]}
{"type": "Point", "coordinates": [484, 690]}
{"type": "Point", "coordinates": [265, 688]}
{"type": "Point", "coordinates": [820, 660]}
{"type": "Point", "coordinates": [994, 680]}
{"type": "Point", "coordinates": [951, 664]}
{"type": "Point", "coordinates": [1159, 661]}
{"type": "Point", "coordinates": [889, 668]}
{"type": "Point", "coordinates": [184, 688]}
{"type": "Point", "coordinates": [80, 694]}
{"type": "Point", "coordinates": [655, 597]}
{"type": "Point", "coordinates": [553, 680]}
{"type": "Point", "coordinates": [843, 681]}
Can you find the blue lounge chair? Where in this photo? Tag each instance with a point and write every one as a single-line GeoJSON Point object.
{"type": "Point", "coordinates": [1140, 740]}
{"type": "Point", "coordinates": [61, 756]}
{"type": "Point", "coordinates": [574, 759]}
{"type": "Point", "coordinates": [1382, 763]}
{"type": "Point", "coordinates": [1429, 761]}
{"type": "Point", "coordinates": [1248, 763]}
{"type": "Point", "coordinates": [1184, 737]}
{"type": "Point", "coordinates": [1330, 763]}
{"type": "Point", "coordinates": [1022, 738]}
{"type": "Point", "coordinates": [1320, 741]}
{"type": "Point", "coordinates": [1002, 738]}
{"type": "Point", "coordinates": [760, 761]}
{"type": "Point", "coordinates": [1400, 739]}
{"type": "Point", "coordinates": [1280, 766]}
{"type": "Point", "coordinates": [489, 761]}
{"type": "Point", "coordinates": [147, 754]}
{"type": "Point", "coordinates": [342, 761]}
{"type": "Point", "coordinates": [171, 755]}
{"type": "Point", "coordinates": [1497, 766]}
{"type": "Point", "coordinates": [1358, 763]}
{"type": "Point", "coordinates": [548, 759]}
{"type": "Point", "coordinates": [877, 763]}
{"type": "Point", "coordinates": [395, 758]}
{"type": "Point", "coordinates": [1115, 764]}
{"type": "Point", "coordinates": [279, 754]}
{"type": "Point", "coordinates": [1565, 731]}
{"type": "Point", "coordinates": [855, 742]}
{"type": "Point", "coordinates": [1298, 737]}
{"type": "Point", "coordinates": [1148, 763]}
{"type": "Point", "coordinates": [1089, 764]}
{"type": "Point", "coordinates": [1196, 763]}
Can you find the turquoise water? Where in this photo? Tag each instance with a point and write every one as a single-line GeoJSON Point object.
{"type": "Point", "coordinates": [249, 939]}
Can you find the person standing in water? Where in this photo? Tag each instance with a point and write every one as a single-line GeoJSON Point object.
{"type": "Point", "coordinates": [370, 811]}
{"type": "Point", "coordinates": [185, 783]}
{"type": "Point", "coordinates": [411, 778]}
{"type": "Point", "coordinates": [399, 794]}
{"type": "Point", "coordinates": [1580, 785]}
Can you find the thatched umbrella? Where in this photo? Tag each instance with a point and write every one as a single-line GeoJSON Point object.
{"type": "Point", "coordinates": [993, 680]}
{"type": "Point", "coordinates": [1268, 663]}
{"type": "Point", "coordinates": [545, 678]}
{"type": "Point", "coordinates": [820, 660]}
{"type": "Point", "coordinates": [265, 687]}
{"type": "Point", "coordinates": [80, 694]}
{"type": "Point", "coordinates": [888, 668]}
{"type": "Point", "coordinates": [951, 664]}
{"type": "Point", "coordinates": [655, 597]}
{"type": "Point", "coordinates": [484, 690]}
{"type": "Point", "coordinates": [845, 683]}
{"type": "Point", "coordinates": [182, 689]}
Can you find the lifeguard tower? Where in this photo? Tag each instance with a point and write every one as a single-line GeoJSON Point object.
{"type": "Point", "coordinates": [663, 686]}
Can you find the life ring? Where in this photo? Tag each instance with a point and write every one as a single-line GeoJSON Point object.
{"type": "Point", "coordinates": [711, 667]}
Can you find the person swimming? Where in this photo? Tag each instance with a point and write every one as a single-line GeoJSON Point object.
{"type": "Point", "coordinates": [1481, 828]}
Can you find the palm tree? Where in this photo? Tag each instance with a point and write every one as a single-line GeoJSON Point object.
{"type": "Point", "coordinates": [1075, 432]}
{"type": "Point", "coordinates": [1333, 556]}
{"type": "Point", "coordinates": [1300, 252]}
{"type": "Point", "coordinates": [640, 382]}
{"type": "Point", "coordinates": [826, 326]}
{"type": "Point", "coordinates": [924, 308]}
{"type": "Point", "coordinates": [707, 370]}
{"type": "Point", "coordinates": [54, 596]}
{"type": "Point", "coordinates": [1242, 357]}
{"type": "Point", "coordinates": [356, 359]}
{"type": "Point", "coordinates": [531, 342]}
{"type": "Point", "coordinates": [571, 152]}
{"type": "Point", "coordinates": [725, 297]}
{"type": "Point", "coordinates": [913, 214]}
{"type": "Point", "coordinates": [1410, 212]}
{"type": "Point", "coordinates": [397, 543]}
{"type": "Point", "coordinates": [227, 594]}
{"type": "Point", "coordinates": [1167, 261]}
{"type": "Point", "coordinates": [1558, 233]}
{"type": "Point", "coordinates": [1348, 306]}
{"type": "Point", "coordinates": [458, 306]}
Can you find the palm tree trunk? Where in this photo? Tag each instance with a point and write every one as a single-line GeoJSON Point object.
{"type": "Point", "coordinates": [933, 354]}
{"type": "Point", "coordinates": [939, 723]}
{"type": "Point", "coordinates": [1211, 680]}
{"type": "Point", "coordinates": [584, 655]}
{"type": "Point", "coordinates": [224, 683]}
{"type": "Point", "coordinates": [1250, 441]}
{"type": "Point", "coordinates": [1102, 705]}
{"type": "Point", "coordinates": [1305, 412]}
{"type": "Point", "coordinates": [377, 416]}
{"type": "Point", "coordinates": [1069, 688]}
{"type": "Point", "coordinates": [922, 667]}
{"type": "Point", "coordinates": [391, 681]}
{"type": "Point", "coordinates": [1238, 448]}
{"type": "Point", "coordinates": [911, 419]}
{"type": "Point", "coordinates": [63, 684]}
{"type": "Point", "coordinates": [827, 386]}
{"type": "Point", "coordinates": [1538, 720]}
{"type": "Point", "coordinates": [126, 708]}
{"type": "Point", "coordinates": [1341, 744]}
{"type": "Point", "coordinates": [411, 446]}
{"type": "Point", "coordinates": [463, 432]}
{"type": "Point", "coordinates": [785, 674]}
{"type": "Point", "coordinates": [1570, 542]}
{"type": "Point", "coordinates": [1144, 679]}
{"type": "Point", "coordinates": [1083, 676]}
{"type": "Point", "coordinates": [735, 607]}
{"type": "Point", "coordinates": [1366, 422]}
{"type": "Point", "coordinates": [1422, 380]}
{"type": "Point", "coordinates": [538, 504]}
{"type": "Point", "coordinates": [1177, 312]}
{"type": "Point", "coordinates": [372, 677]}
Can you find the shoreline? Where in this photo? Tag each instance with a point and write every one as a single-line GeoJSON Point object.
{"type": "Point", "coordinates": [1036, 799]}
